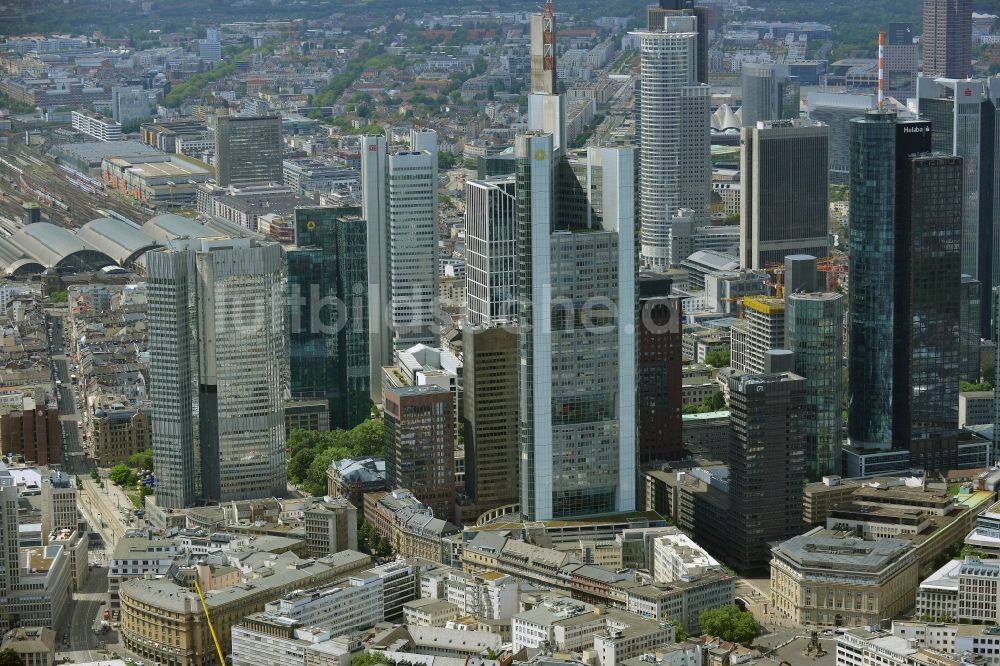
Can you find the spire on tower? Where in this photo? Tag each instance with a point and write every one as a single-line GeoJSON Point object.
{"type": "Point", "coordinates": [548, 8]}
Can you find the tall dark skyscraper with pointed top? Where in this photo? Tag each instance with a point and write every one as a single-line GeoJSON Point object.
{"type": "Point", "coordinates": [947, 40]}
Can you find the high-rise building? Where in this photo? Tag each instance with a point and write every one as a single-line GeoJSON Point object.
{"type": "Point", "coordinates": [963, 115]}
{"type": "Point", "coordinates": [32, 430]}
{"type": "Point", "coordinates": [399, 205]}
{"type": "Point", "coordinates": [130, 106]}
{"type": "Point", "coordinates": [660, 362]}
{"type": "Point", "coordinates": [767, 463]}
{"type": "Point", "coordinates": [218, 369]}
{"type": "Point", "coordinates": [490, 397]}
{"type": "Point", "coordinates": [836, 110]}
{"type": "Point", "coordinates": [577, 358]}
{"type": "Point", "coordinates": [901, 62]}
{"type": "Point", "coordinates": [420, 445]}
{"type": "Point", "coordinates": [490, 256]}
{"type": "Point", "coordinates": [969, 340]}
{"type": "Point", "coordinates": [210, 48]}
{"type": "Point", "coordinates": [905, 266]}
{"type": "Point", "coordinates": [248, 150]}
{"type": "Point", "coordinates": [814, 331]}
{"type": "Point", "coordinates": [784, 195]}
{"type": "Point", "coordinates": [762, 330]}
{"type": "Point", "coordinates": [769, 93]}
{"type": "Point", "coordinates": [947, 40]}
{"type": "Point", "coordinates": [10, 567]}
{"type": "Point", "coordinates": [656, 18]}
{"type": "Point", "coordinates": [675, 167]}
{"type": "Point", "coordinates": [328, 312]}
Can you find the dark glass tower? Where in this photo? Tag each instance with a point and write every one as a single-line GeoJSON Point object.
{"type": "Point", "coordinates": [328, 316]}
{"type": "Point", "coordinates": [905, 240]}
{"type": "Point", "coordinates": [947, 40]}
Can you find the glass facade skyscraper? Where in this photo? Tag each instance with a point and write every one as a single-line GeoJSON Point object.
{"type": "Point", "coordinates": [814, 330]}
{"type": "Point", "coordinates": [328, 312]}
{"type": "Point", "coordinates": [905, 267]}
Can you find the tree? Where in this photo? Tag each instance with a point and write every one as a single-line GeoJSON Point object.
{"type": "Point", "coordinates": [730, 624]}
{"type": "Point", "coordinates": [368, 438]}
{"type": "Point", "coordinates": [989, 374]}
{"type": "Point", "coordinates": [141, 460]}
{"type": "Point", "coordinates": [715, 402]}
{"type": "Point", "coordinates": [680, 634]}
{"type": "Point", "coordinates": [121, 475]}
{"type": "Point", "coordinates": [10, 658]}
{"type": "Point", "coordinates": [94, 475]}
{"type": "Point", "coordinates": [718, 358]}
{"type": "Point", "coordinates": [370, 659]}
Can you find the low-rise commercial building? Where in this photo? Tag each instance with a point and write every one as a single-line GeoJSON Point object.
{"type": "Point", "coordinates": [353, 479]}
{"type": "Point", "coordinates": [36, 646]}
{"type": "Point", "coordinates": [162, 180]}
{"type": "Point", "coordinates": [101, 128]}
{"type": "Point", "coordinates": [964, 590]}
{"type": "Point", "coordinates": [429, 612]}
{"type": "Point", "coordinates": [331, 526]}
{"type": "Point", "coordinates": [861, 647]}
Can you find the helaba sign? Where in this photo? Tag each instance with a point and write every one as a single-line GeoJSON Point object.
{"type": "Point", "coordinates": [916, 129]}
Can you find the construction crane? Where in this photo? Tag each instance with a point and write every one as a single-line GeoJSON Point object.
{"type": "Point", "coordinates": [208, 619]}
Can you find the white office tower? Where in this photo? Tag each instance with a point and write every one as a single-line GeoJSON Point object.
{"type": "Point", "coordinates": [490, 252]}
{"type": "Point", "coordinates": [218, 369]}
{"type": "Point", "coordinates": [10, 569]}
{"type": "Point", "coordinates": [675, 166]}
{"type": "Point", "coordinates": [399, 204]}
{"type": "Point", "coordinates": [576, 323]}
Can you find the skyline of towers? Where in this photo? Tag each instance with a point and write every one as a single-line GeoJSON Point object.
{"type": "Point", "coordinates": [218, 369]}
{"type": "Point", "coordinates": [947, 38]}
{"type": "Point", "coordinates": [675, 163]}
{"type": "Point", "coordinates": [784, 203]}
{"type": "Point", "coordinates": [905, 267]}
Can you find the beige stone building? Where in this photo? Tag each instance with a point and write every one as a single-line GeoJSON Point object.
{"type": "Point", "coordinates": [830, 578]}
{"type": "Point", "coordinates": [117, 434]}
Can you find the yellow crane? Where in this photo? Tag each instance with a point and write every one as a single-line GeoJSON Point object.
{"type": "Point", "coordinates": [208, 618]}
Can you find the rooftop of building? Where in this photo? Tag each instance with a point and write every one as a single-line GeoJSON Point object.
{"type": "Point", "coordinates": [830, 550]}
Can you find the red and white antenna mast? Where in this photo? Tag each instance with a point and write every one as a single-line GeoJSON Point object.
{"type": "Point", "coordinates": [881, 69]}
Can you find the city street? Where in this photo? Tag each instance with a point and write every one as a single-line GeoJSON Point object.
{"type": "Point", "coordinates": [85, 617]}
{"type": "Point", "coordinates": [74, 461]}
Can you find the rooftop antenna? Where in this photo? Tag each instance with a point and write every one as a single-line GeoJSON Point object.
{"type": "Point", "coordinates": [881, 69]}
{"type": "Point", "coordinates": [548, 8]}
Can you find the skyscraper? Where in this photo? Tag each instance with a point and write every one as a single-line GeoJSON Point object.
{"type": "Point", "coordinates": [814, 331]}
{"type": "Point", "coordinates": [762, 329]}
{"type": "Point", "coordinates": [901, 62]}
{"type": "Point", "coordinates": [767, 463]}
{"type": "Point", "coordinates": [489, 356]}
{"type": "Point", "coordinates": [656, 18]}
{"type": "Point", "coordinates": [218, 355]}
{"type": "Point", "coordinates": [963, 115]}
{"type": "Point", "coordinates": [10, 568]}
{"type": "Point", "coordinates": [660, 361]}
{"type": "Point", "coordinates": [837, 110]}
{"type": "Point", "coordinates": [130, 105]}
{"type": "Point", "coordinates": [905, 267]}
{"type": "Point", "coordinates": [969, 334]}
{"type": "Point", "coordinates": [248, 150]}
{"type": "Point", "coordinates": [399, 204]}
{"type": "Point", "coordinates": [769, 93]}
{"type": "Point", "coordinates": [784, 191]}
{"type": "Point", "coordinates": [328, 312]}
{"type": "Point", "coordinates": [675, 167]}
{"type": "Point", "coordinates": [420, 445]}
{"type": "Point", "coordinates": [491, 260]}
{"type": "Point", "coordinates": [577, 358]}
{"type": "Point", "coordinates": [947, 40]}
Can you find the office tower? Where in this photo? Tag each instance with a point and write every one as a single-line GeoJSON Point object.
{"type": "Point", "coordinates": [836, 110]}
{"type": "Point", "coordinates": [130, 106]}
{"type": "Point", "coordinates": [901, 62]}
{"type": "Point", "coordinates": [660, 362]}
{"type": "Point", "coordinates": [769, 93]}
{"type": "Point", "coordinates": [762, 330]}
{"type": "Point", "coordinates": [814, 331]}
{"type": "Point", "coordinates": [218, 369]}
{"type": "Point", "coordinates": [399, 204]}
{"type": "Point", "coordinates": [490, 257]}
{"type": "Point", "coordinates": [32, 430]}
{"type": "Point", "coordinates": [675, 167]}
{"type": "Point", "coordinates": [420, 445]}
{"type": "Point", "coordinates": [801, 274]}
{"type": "Point", "coordinates": [59, 499]}
{"type": "Point", "coordinates": [767, 437]}
{"type": "Point", "coordinates": [947, 40]}
{"type": "Point", "coordinates": [248, 150]}
{"type": "Point", "coordinates": [784, 195]}
{"type": "Point", "coordinates": [10, 568]}
{"type": "Point", "coordinates": [969, 340]}
{"type": "Point", "coordinates": [656, 18]}
{"type": "Point", "coordinates": [328, 312]}
{"type": "Point", "coordinates": [905, 267]}
{"type": "Point", "coordinates": [489, 383]}
{"type": "Point", "coordinates": [963, 115]}
{"type": "Point", "coordinates": [577, 362]}
{"type": "Point", "coordinates": [210, 48]}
